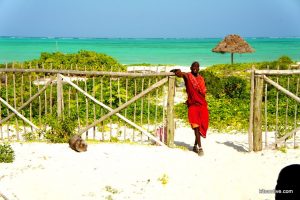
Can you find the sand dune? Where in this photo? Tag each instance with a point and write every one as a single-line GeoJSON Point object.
{"type": "Point", "coordinates": [124, 171]}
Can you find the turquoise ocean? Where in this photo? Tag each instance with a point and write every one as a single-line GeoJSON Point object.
{"type": "Point", "coordinates": [153, 51]}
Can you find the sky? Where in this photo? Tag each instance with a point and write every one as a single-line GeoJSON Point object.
{"type": "Point", "coordinates": [149, 18]}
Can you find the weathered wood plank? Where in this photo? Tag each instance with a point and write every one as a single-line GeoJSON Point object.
{"type": "Point", "coordinates": [18, 114]}
{"type": "Point", "coordinates": [89, 73]}
{"type": "Point", "coordinates": [283, 138]}
{"type": "Point", "coordinates": [59, 95]}
{"type": "Point", "coordinates": [250, 130]}
{"type": "Point", "coordinates": [170, 112]}
{"type": "Point", "coordinates": [277, 72]}
{"type": "Point", "coordinates": [282, 89]}
{"type": "Point", "coordinates": [28, 101]}
{"type": "Point", "coordinates": [257, 115]}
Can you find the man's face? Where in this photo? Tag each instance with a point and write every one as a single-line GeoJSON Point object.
{"type": "Point", "coordinates": [195, 70]}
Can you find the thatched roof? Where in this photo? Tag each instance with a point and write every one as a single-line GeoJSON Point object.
{"type": "Point", "coordinates": [233, 44]}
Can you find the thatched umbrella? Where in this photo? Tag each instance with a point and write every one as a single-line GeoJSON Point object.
{"type": "Point", "coordinates": [233, 44]}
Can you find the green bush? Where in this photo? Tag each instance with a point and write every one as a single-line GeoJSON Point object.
{"type": "Point", "coordinates": [285, 60]}
{"type": "Point", "coordinates": [227, 114]}
{"type": "Point", "coordinates": [61, 129]}
{"type": "Point", "coordinates": [82, 60]}
{"type": "Point", "coordinates": [282, 62]}
{"type": "Point", "coordinates": [32, 136]}
{"type": "Point", "coordinates": [213, 83]}
{"type": "Point", "coordinates": [234, 87]}
{"type": "Point", "coordinates": [230, 86]}
{"type": "Point", "coordinates": [7, 154]}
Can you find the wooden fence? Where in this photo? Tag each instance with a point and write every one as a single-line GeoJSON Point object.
{"type": "Point", "coordinates": [105, 105]}
{"type": "Point", "coordinates": [274, 109]}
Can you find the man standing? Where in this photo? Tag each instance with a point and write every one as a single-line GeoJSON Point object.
{"type": "Point", "coordinates": [197, 106]}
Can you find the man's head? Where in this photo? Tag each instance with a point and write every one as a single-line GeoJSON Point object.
{"type": "Point", "coordinates": [195, 68]}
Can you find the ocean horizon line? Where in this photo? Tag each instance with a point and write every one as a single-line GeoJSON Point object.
{"type": "Point", "coordinates": [145, 38]}
{"type": "Point", "coordinates": [178, 51]}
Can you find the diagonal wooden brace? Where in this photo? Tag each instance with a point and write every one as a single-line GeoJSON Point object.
{"type": "Point", "coordinates": [282, 89]}
{"type": "Point", "coordinates": [29, 101]}
{"type": "Point", "coordinates": [115, 111]}
{"type": "Point", "coordinates": [283, 138]}
{"type": "Point", "coordinates": [18, 114]}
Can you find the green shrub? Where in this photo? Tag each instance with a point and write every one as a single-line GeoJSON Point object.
{"type": "Point", "coordinates": [285, 60]}
{"type": "Point", "coordinates": [61, 129]}
{"type": "Point", "coordinates": [31, 136]}
{"type": "Point", "coordinates": [281, 63]}
{"type": "Point", "coordinates": [82, 60]}
{"type": "Point", "coordinates": [283, 149]}
{"type": "Point", "coordinates": [228, 114]}
{"type": "Point", "coordinates": [230, 86]}
{"type": "Point", "coordinates": [213, 83]}
{"type": "Point", "coordinates": [234, 87]}
{"type": "Point", "coordinates": [7, 154]}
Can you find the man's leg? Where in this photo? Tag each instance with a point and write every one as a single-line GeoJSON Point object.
{"type": "Point", "coordinates": [197, 137]}
{"type": "Point", "coordinates": [198, 149]}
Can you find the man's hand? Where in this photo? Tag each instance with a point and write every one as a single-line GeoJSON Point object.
{"type": "Point", "coordinates": [174, 70]}
{"type": "Point", "coordinates": [178, 72]}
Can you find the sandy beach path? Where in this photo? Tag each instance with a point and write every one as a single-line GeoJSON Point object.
{"type": "Point", "coordinates": [124, 171]}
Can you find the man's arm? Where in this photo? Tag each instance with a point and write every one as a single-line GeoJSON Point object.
{"type": "Point", "coordinates": [179, 73]}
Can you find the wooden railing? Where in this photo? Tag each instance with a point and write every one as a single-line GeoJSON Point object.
{"type": "Point", "coordinates": [283, 123]}
{"type": "Point", "coordinates": [32, 94]}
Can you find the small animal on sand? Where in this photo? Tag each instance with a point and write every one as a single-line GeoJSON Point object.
{"type": "Point", "coordinates": [77, 143]}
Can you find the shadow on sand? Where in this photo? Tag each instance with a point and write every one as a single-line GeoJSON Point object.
{"type": "Point", "coordinates": [179, 143]}
{"type": "Point", "coordinates": [238, 147]}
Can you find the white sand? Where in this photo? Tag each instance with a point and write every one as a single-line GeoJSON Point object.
{"type": "Point", "coordinates": [122, 171]}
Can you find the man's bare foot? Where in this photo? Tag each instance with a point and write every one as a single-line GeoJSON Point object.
{"type": "Point", "coordinates": [200, 152]}
{"type": "Point", "coordinates": [195, 149]}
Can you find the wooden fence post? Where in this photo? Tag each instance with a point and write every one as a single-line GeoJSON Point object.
{"type": "Point", "coordinates": [170, 112]}
{"type": "Point", "coordinates": [257, 115]}
{"type": "Point", "coordinates": [250, 130]}
{"type": "Point", "coordinates": [59, 95]}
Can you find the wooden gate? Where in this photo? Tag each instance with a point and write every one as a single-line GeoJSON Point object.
{"type": "Point", "coordinates": [143, 102]}
{"type": "Point", "coordinates": [274, 109]}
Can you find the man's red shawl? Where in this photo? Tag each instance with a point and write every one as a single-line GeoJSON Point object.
{"type": "Point", "coordinates": [197, 106]}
